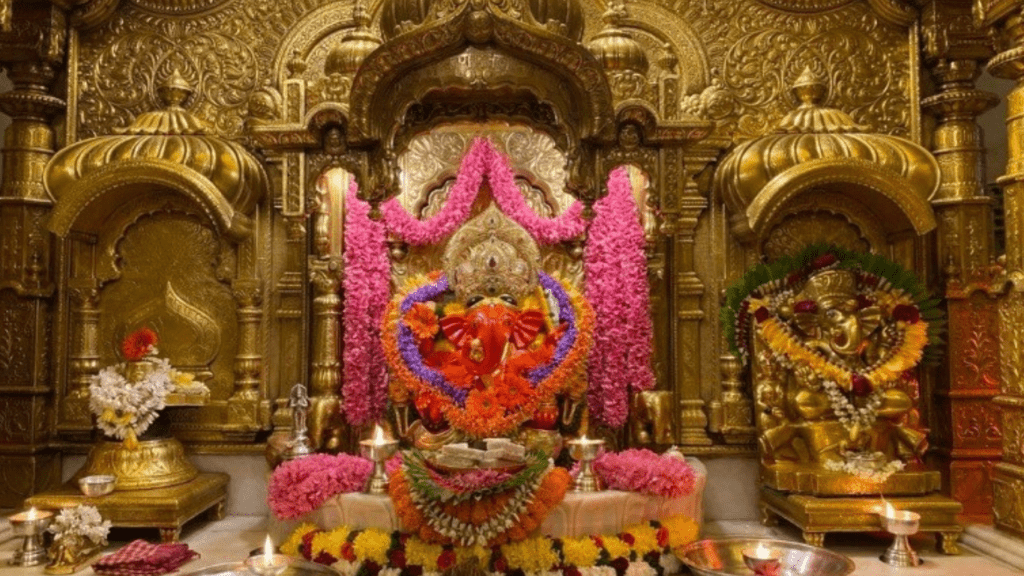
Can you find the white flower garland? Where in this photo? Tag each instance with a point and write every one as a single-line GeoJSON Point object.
{"type": "Point", "coordinates": [124, 408]}
{"type": "Point", "coordinates": [82, 520]}
{"type": "Point", "coordinates": [850, 415]}
{"type": "Point", "coordinates": [862, 470]}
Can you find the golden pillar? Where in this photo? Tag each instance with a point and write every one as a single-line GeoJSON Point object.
{"type": "Point", "coordinates": [26, 285]}
{"type": "Point", "coordinates": [1008, 475]}
{"type": "Point", "coordinates": [84, 358]}
{"type": "Point", "coordinates": [245, 401]}
{"type": "Point", "coordinates": [689, 291]}
{"type": "Point", "coordinates": [967, 442]}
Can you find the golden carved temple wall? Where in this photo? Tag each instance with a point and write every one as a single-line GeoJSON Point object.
{"type": "Point", "coordinates": [233, 261]}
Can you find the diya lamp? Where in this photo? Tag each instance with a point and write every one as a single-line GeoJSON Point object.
{"type": "Point", "coordinates": [763, 560]}
{"type": "Point", "coordinates": [900, 523]}
{"type": "Point", "coordinates": [379, 449]}
{"type": "Point", "coordinates": [585, 450]}
{"type": "Point", "coordinates": [268, 563]}
{"type": "Point", "coordinates": [30, 525]}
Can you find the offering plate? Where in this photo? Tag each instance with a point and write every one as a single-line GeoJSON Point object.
{"type": "Point", "coordinates": [296, 568]}
{"type": "Point", "coordinates": [725, 558]}
{"type": "Point", "coordinates": [502, 465]}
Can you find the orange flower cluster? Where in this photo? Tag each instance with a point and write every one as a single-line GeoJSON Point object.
{"type": "Point", "coordinates": [138, 344]}
{"type": "Point", "coordinates": [550, 491]}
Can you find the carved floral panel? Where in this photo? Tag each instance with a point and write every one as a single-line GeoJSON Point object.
{"type": "Point", "coordinates": [748, 54]}
{"type": "Point", "coordinates": [974, 336]}
{"type": "Point", "coordinates": [976, 424]}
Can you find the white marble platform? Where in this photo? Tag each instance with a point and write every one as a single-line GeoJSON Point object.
{"type": "Point", "coordinates": [231, 539]}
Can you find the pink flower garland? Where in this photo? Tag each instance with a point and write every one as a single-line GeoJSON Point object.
{"type": "Point", "coordinates": [643, 471]}
{"type": "Point", "coordinates": [616, 285]}
{"type": "Point", "coordinates": [302, 485]}
{"type": "Point", "coordinates": [367, 291]}
{"type": "Point", "coordinates": [482, 159]}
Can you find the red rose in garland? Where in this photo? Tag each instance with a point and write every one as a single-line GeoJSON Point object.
{"type": "Point", "coordinates": [138, 344]}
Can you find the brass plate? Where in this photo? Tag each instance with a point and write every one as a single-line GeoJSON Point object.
{"type": "Point", "coordinates": [818, 516]}
{"type": "Point", "coordinates": [167, 509]}
{"type": "Point", "coordinates": [811, 479]}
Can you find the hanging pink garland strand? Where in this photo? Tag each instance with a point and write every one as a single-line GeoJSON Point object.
{"type": "Point", "coordinates": [616, 286]}
{"type": "Point", "coordinates": [482, 159]}
{"type": "Point", "coordinates": [367, 290]}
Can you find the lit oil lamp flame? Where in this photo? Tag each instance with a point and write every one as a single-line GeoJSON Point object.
{"type": "Point", "coordinates": [890, 510]}
{"type": "Point", "coordinates": [378, 435]}
{"type": "Point", "coordinates": [268, 551]}
{"type": "Point", "coordinates": [762, 551]}
{"type": "Point", "coordinates": [33, 514]}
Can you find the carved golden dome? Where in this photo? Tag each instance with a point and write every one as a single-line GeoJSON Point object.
{"type": "Point", "coordinates": [170, 147]}
{"type": "Point", "coordinates": [817, 146]}
{"type": "Point", "coordinates": [355, 46]}
{"type": "Point", "coordinates": [614, 48]}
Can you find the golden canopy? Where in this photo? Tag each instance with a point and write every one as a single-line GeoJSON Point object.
{"type": "Point", "coordinates": [168, 149]}
{"type": "Point", "coordinates": [817, 148]}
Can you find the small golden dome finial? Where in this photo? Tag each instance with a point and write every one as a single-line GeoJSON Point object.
{"type": "Point", "coordinates": [809, 89]}
{"type": "Point", "coordinates": [175, 90]}
{"type": "Point", "coordinates": [355, 46]}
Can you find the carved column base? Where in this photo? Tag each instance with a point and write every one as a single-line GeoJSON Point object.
{"type": "Point", "coordinates": [1008, 497]}
{"type": "Point", "coordinates": [694, 423]}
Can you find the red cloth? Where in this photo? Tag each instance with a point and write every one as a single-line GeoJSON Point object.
{"type": "Point", "coordinates": [140, 558]}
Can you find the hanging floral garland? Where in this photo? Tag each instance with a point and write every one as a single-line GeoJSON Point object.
{"type": "Point", "coordinates": [482, 160]}
{"type": "Point", "coordinates": [367, 288]}
{"type": "Point", "coordinates": [411, 333]}
{"type": "Point", "coordinates": [616, 277]}
{"type": "Point", "coordinates": [764, 301]}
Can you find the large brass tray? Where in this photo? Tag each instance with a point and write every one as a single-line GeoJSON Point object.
{"type": "Point", "coordinates": [724, 558]}
{"type": "Point", "coordinates": [296, 568]}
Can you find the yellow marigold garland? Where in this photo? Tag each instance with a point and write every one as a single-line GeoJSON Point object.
{"type": "Point", "coordinates": [906, 355]}
{"type": "Point", "coordinates": [535, 554]}
{"type": "Point", "coordinates": [372, 545]}
{"type": "Point", "coordinates": [291, 546]}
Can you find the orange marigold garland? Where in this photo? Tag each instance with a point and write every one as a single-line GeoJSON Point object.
{"type": "Point", "coordinates": [507, 509]}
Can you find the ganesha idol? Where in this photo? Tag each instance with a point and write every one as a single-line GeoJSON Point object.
{"type": "Point", "coordinates": [834, 339]}
{"type": "Point", "coordinates": [489, 347]}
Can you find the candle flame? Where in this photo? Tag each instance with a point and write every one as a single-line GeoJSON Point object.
{"type": "Point", "coordinates": [268, 550]}
{"type": "Point", "coordinates": [378, 435]}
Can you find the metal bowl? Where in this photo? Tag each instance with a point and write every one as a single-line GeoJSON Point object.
{"type": "Point", "coordinates": [96, 485]}
{"type": "Point", "coordinates": [725, 557]}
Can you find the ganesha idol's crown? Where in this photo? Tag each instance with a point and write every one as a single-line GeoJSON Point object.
{"type": "Point", "coordinates": [491, 256]}
{"type": "Point", "coordinates": [830, 285]}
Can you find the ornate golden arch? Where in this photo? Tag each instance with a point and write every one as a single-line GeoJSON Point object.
{"type": "Point", "coordinates": [84, 205]}
{"type": "Point", "coordinates": [907, 209]}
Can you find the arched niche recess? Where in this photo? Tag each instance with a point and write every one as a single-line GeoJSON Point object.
{"type": "Point", "coordinates": [157, 231]}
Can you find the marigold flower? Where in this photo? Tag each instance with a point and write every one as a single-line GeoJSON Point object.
{"type": "Point", "coordinates": [422, 320]}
